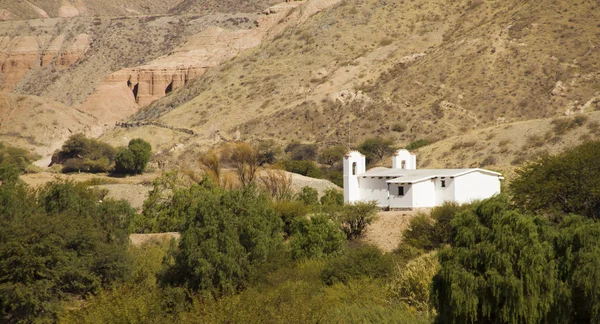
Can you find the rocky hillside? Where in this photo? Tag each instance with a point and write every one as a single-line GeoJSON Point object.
{"type": "Point", "coordinates": [404, 70]}
{"type": "Point", "coordinates": [324, 71]}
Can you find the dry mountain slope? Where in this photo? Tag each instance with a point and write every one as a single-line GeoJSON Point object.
{"type": "Point", "coordinates": [433, 68]}
{"type": "Point", "coordinates": [40, 125]}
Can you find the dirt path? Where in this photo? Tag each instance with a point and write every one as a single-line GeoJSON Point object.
{"type": "Point", "coordinates": [386, 231]}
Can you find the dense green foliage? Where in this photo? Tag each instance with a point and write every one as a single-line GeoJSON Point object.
{"type": "Point", "coordinates": [364, 261]}
{"type": "Point", "coordinates": [292, 294]}
{"type": "Point", "coordinates": [57, 243]}
{"type": "Point", "coordinates": [316, 237]}
{"type": "Point", "coordinates": [500, 268]}
{"type": "Point", "coordinates": [83, 154]}
{"type": "Point", "coordinates": [411, 283]}
{"type": "Point", "coordinates": [16, 157]}
{"type": "Point", "coordinates": [134, 158]}
{"type": "Point", "coordinates": [308, 195]}
{"type": "Point", "coordinates": [303, 167]}
{"type": "Point", "coordinates": [226, 237]}
{"type": "Point", "coordinates": [430, 232]}
{"type": "Point", "coordinates": [300, 152]}
{"type": "Point", "coordinates": [565, 183]}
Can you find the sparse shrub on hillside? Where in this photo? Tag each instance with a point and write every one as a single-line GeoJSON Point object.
{"type": "Point", "coordinates": [563, 125]}
{"type": "Point", "coordinates": [399, 127]}
{"type": "Point", "coordinates": [210, 162]}
{"type": "Point", "coordinates": [134, 158]}
{"type": "Point", "coordinates": [316, 237]}
{"type": "Point", "coordinates": [268, 152]}
{"type": "Point", "coordinates": [463, 145]}
{"type": "Point", "coordinates": [299, 152]}
{"type": "Point", "coordinates": [277, 183]}
{"type": "Point", "coordinates": [365, 261]}
{"type": "Point", "coordinates": [375, 148]}
{"type": "Point", "coordinates": [417, 144]}
{"type": "Point", "coordinates": [245, 160]}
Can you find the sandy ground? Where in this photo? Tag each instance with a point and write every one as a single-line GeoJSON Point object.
{"type": "Point", "coordinates": [386, 231]}
{"type": "Point", "coordinates": [41, 178]}
{"type": "Point", "coordinates": [135, 194]}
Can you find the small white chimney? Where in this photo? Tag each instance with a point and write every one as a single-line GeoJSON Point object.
{"type": "Point", "coordinates": [403, 159]}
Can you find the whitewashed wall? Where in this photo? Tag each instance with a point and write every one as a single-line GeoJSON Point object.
{"type": "Point", "coordinates": [424, 194]}
{"type": "Point", "coordinates": [374, 189]}
{"type": "Point", "coordinates": [444, 194]}
{"type": "Point", "coordinates": [476, 186]}
{"type": "Point", "coordinates": [405, 201]}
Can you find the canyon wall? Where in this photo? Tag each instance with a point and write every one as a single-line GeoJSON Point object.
{"type": "Point", "coordinates": [19, 54]}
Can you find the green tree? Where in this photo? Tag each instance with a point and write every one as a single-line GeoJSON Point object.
{"type": "Point", "coordinates": [578, 256]}
{"type": "Point", "coordinates": [354, 218]}
{"type": "Point", "coordinates": [305, 168]}
{"type": "Point", "coordinates": [227, 237]}
{"type": "Point", "coordinates": [59, 243]}
{"type": "Point", "coordinates": [500, 269]}
{"type": "Point", "coordinates": [562, 184]}
{"type": "Point", "coordinates": [375, 148]}
{"type": "Point", "coordinates": [79, 153]}
{"type": "Point", "coordinates": [134, 158]}
{"type": "Point", "coordinates": [316, 237]}
{"type": "Point", "coordinates": [268, 151]}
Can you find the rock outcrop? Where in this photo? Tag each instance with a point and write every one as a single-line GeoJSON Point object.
{"type": "Point", "coordinates": [159, 77]}
{"type": "Point", "coordinates": [20, 54]}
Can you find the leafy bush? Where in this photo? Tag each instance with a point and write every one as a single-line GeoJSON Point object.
{"type": "Point", "coordinates": [316, 237]}
{"type": "Point", "coordinates": [417, 144]}
{"type": "Point", "coordinates": [354, 218]}
{"type": "Point", "coordinates": [289, 211]}
{"type": "Point", "coordinates": [309, 196]}
{"type": "Point", "coordinates": [305, 168]}
{"type": "Point", "coordinates": [431, 232]}
{"type": "Point", "coordinates": [332, 197]}
{"type": "Point", "coordinates": [364, 261]}
{"type": "Point", "coordinates": [227, 236]}
{"type": "Point", "coordinates": [268, 151]}
{"type": "Point", "coordinates": [134, 158]}
{"type": "Point", "coordinates": [411, 283]}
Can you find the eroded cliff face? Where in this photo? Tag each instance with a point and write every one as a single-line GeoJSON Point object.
{"type": "Point", "coordinates": [19, 54]}
{"type": "Point", "coordinates": [134, 88]}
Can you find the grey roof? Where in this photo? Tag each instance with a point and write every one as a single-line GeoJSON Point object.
{"type": "Point", "coordinates": [412, 176]}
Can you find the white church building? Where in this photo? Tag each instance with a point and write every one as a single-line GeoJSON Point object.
{"type": "Point", "coordinates": [406, 187]}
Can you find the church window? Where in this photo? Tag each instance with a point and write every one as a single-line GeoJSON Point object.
{"type": "Point", "coordinates": [353, 168]}
{"type": "Point", "coordinates": [401, 191]}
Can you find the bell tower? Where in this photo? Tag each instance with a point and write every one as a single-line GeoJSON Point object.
{"type": "Point", "coordinates": [354, 164]}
